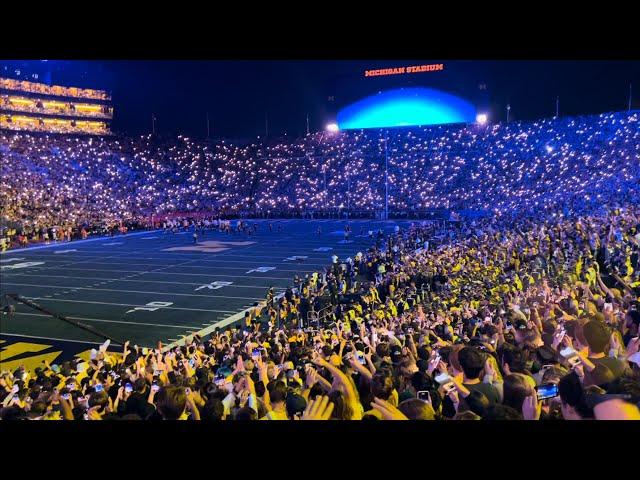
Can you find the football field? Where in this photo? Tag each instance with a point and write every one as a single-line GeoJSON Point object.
{"type": "Point", "coordinates": [150, 286]}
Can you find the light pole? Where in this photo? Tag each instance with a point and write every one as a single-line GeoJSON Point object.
{"type": "Point", "coordinates": [508, 109]}
{"type": "Point", "coordinates": [386, 175]}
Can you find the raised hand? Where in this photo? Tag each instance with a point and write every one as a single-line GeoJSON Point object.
{"type": "Point", "coordinates": [388, 411]}
{"type": "Point", "coordinates": [318, 409]}
{"type": "Point", "coordinates": [531, 407]}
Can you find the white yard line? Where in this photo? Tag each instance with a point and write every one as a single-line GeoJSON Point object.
{"type": "Point", "coordinates": [50, 338]}
{"type": "Point", "coordinates": [130, 291]}
{"type": "Point", "coordinates": [88, 319]}
{"type": "Point", "coordinates": [208, 330]}
{"type": "Point", "coordinates": [128, 305]}
{"type": "Point", "coordinates": [139, 281]}
{"type": "Point", "coordinates": [76, 242]}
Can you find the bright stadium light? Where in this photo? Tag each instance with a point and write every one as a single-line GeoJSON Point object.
{"type": "Point", "coordinates": [549, 148]}
{"type": "Point", "coordinates": [332, 127]}
{"type": "Point", "coordinates": [481, 118]}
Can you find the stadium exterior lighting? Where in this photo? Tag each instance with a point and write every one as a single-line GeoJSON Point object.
{"type": "Point", "coordinates": [332, 128]}
{"type": "Point", "coordinates": [481, 118]}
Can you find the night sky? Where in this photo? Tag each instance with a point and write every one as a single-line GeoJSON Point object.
{"type": "Point", "coordinates": [238, 94]}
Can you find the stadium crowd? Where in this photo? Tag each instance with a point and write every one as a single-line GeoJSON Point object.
{"type": "Point", "coordinates": [535, 319]}
{"type": "Point", "coordinates": [76, 182]}
{"type": "Point", "coordinates": [530, 314]}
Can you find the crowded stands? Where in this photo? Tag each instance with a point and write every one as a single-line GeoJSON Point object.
{"type": "Point", "coordinates": [576, 163]}
{"type": "Point", "coordinates": [529, 313]}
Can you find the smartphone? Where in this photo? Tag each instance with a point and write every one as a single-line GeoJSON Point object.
{"type": "Point", "coordinates": [547, 390]}
{"type": "Point", "coordinates": [98, 387]}
{"type": "Point", "coordinates": [570, 355]}
{"type": "Point", "coordinates": [157, 373]}
{"type": "Point", "coordinates": [360, 358]}
{"type": "Point", "coordinates": [155, 387]}
{"type": "Point", "coordinates": [128, 388]}
{"type": "Point", "coordinates": [424, 395]}
{"type": "Point", "coordinates": [66, 396]}
{"type": "Point", "coordinates": [192, 362]}
{"type": "Point", "coordinates": [446, 383]}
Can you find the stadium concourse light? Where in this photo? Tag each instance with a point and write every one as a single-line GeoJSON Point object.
{"type": "Point", "coordinates": [332, 127]}
{"type": "Point", "coordinates": [481, 118]}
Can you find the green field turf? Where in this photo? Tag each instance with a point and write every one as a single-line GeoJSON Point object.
{"type": "Point", "coordinates": [106, 282]}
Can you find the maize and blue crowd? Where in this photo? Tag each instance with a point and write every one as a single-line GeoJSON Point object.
{"type": "Point", "coordinates": [530, 312]}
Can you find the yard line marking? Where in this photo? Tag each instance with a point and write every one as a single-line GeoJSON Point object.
{"type": "Point", "coordinates": [14, 259]}
{"type": "Point", "coordinates": [205, 331]}
{"type": "Point", "coordinates": [103, 320]}
{"type": "Point", "coordinates": [64, 251]}
{"type": "Point", "coordinates": [76, 242]}
{"type": "Point", "coordinates": [140, 281]}
{"type": "Point", "coordinates": [50, 338]}
{"type": "Point", "coordinates": [139, 272]}
{"type": "Point", "coordinates": [129, 291]}
{"type": "Point", "coordinates": [128, 305]}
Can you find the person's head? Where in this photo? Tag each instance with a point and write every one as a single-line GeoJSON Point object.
{"type": "Point", "coordinates": [597, 336]}
{"type": "Point", "coordinates": [517, 387]}
{"type": "Point", "coordinates": [472, 362]}
{"type": "Point", "coordinates": [497, 411]}
{"type": "Point", "coordinates": [99, 399]}
{"type": "Point", "coordinates": [246, 413]}
{"type": "Point", "coordinates": [278, 393]}
{"type": "Point", "coordinates": [171, 402]}
{"type": "Point", "coordinates": [296, 405]}
{"type": "Point", "coordinates": [572, 398]}
{"type": "Point", "coordinates": [514, 359]}
{"type": "Point", "coordinates": [416, 409]}
{"type": "Point", "coordinates": [382, 385]}
{"type": "Point", "coordinates": [140, 385]}
{"type": "Point", "coordinates": [476, 402]}
{"type": "Point", "coordinates": [213, 410]}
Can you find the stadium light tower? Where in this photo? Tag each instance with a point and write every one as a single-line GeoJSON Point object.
{"type": "Point", "coordinates": [508, 110]}
{"type": "Point", "coordinates": [332, 128]}
{"type": "Point", "coordinates": [481, 118]}
{"type": "Point", "coordinates": [386, 175]}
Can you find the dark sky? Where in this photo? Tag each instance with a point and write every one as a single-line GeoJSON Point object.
{"type": "Point", "coordinates": [237, 94]}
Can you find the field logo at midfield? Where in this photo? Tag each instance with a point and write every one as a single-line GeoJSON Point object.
{"type": "Point", "coordinates": [210, 246]}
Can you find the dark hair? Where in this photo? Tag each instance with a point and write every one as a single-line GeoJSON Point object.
{"type": "Point", "coordinates": [140, 385]}
{"type": "Point", "coordinates": [516, 389]}
{"type": "Point", "coordinates": [472, 362]}
{"type": "Point", "coordinates": [212, 410]}
{"type": "Point", "coordinates": [246, 413]}
{"type": "Point", "coordinates": [277, 392]}
{"type": "Point", "coordinates": [416, 409]}
{"type": "Point", "coordinates": [515, 357]}
{"type": "Point", "coordinates": [382, 385]}
{"type": "Point", "coordinates": [476, 402]}
{"type": "Point", "coordinates": [572, 393]}
{"type": "Point", "coordinates": [171, 402]}
{"type": "Point", "coordinates": [497, 411]}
